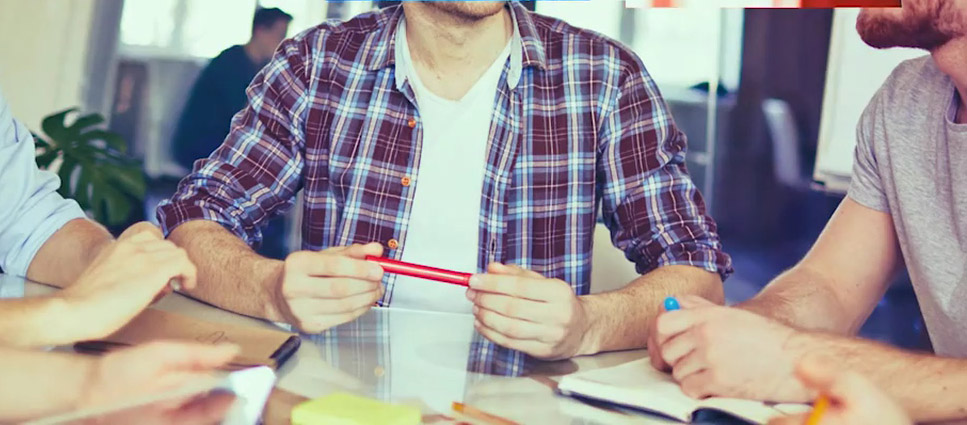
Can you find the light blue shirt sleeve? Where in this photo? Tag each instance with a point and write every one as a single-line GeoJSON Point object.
{"type": "Point", "coordinates": [31, 210]}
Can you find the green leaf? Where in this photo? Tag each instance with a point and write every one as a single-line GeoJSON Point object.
{"type": "Point", "coordinates": [65, 173]}
{"type": "Point", "coordinates": [95, 170]}
{"type": "Point", "coordinates": [44, 160]}
{"type": "Point", "coordinates": [85, 121]}
{"type": "Point", "coordinates": [55, 126]}
{"type": "Point", "coordinates": [112, 140]}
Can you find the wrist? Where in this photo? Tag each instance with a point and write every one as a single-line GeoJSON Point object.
{"type": "Point", "coordinates": [589, 332]}
{"type": "Point", "coordinates": [274, 303]}
{"type": "Point", "coordinates": [71, 326]}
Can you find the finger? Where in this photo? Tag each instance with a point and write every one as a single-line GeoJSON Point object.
{"type": "Point", "coordinates": [156, 245]}
{"type": "Point", "coordinates": [816, 373]}
{"type": "Point", "coordinates": [321, 264]}
{"type": "Point", "coordinates": [360, 252]}
{"type": "Point", "coordinates": [205, 410]}
{"type": "Point", "coordinates": [174, 265]}
{"type": "Point", "coordinates": [689, 365]}
{"type": "Point", "coordinates": [519, 308]}
{"type": "Point", "coordinates": [512, 270]}
{"type": "Point", "coordinates": [678, 347]}
{"type": "Point", "coordinates": [141, 232]}
{"type": "Point", "coordinates": [673, 323]}
{"type": "Point", "coordinates": [308, 307]}
{"type": "Point", "coordinates": [534, 348]}
{"type": "Point", "coordinates": [522, 287]}
{"type": "Point", "coordinates": [789, 420]}
{"type": "Point", "coordinates": [697, 385]}
{"type": "Point", "coordinates": [694, 301]}
{"type": "Point", "coordinates": [519, 329]}
{"type": "Point", "coordinates": [654, 352]}
{"type": "Point", "coordinates": [328, 288]}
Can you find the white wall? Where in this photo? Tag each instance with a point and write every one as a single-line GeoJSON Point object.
{"type": "Point", "coordinates": [42, 55]}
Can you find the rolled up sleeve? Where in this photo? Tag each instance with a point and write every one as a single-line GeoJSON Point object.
{"type": "Point", "coordinates": [31, 210]}
{"type": "Point", "coordinates": [254, 175]}
{"type": "Point", "coordinates": [654, 211]}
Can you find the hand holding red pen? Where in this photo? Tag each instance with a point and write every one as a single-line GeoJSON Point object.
{"type": "Point", "coordinates": [319, 290]}
{"type": "Point", "coordinates": [522, 310]}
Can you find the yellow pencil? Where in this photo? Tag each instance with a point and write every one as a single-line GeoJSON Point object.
{"type": "Point", "coordinates": [819, 408]}
{"type": "Point", "coordinates": [481, 415]}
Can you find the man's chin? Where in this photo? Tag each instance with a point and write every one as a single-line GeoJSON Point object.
{"type": "Point", "coordinates": [883, 28]}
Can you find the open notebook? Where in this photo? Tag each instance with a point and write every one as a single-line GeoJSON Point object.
{"type": "Point", "coordinates": [638, 385]}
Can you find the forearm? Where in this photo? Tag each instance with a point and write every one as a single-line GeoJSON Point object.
{"type": "Point", "coordinates": [39, 322]}
{"type": "Point", "coordinates": [37, 384]}
{"type": "Point", "coordinates": [619, 320]}
{"type": "Point", "coordinates": [68, 252]}
{"type": "Point", "coordinates": [230, 274]}
{"type": "Point", "coordinates": [930, 388]}
{"type": "Point", "coordinates": [802, 298]}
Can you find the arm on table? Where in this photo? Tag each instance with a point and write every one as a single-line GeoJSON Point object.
{"type": "Point", "coordinates": [928, 387]}
{"type": "Point", "coordinates": [119, 283]}
{"type": "Point", "coordinates": [68, 252]}
{"type": "Point", "coordinates": [38, 384]}
{"type": "Point", "coordinates": [656, 216]}
{"type": "Point", "coordinates": [839, 282]}
{"type": "Point", "coordinates": [232, 275]}
{"type": "Point", "coordinates": [618, 320]}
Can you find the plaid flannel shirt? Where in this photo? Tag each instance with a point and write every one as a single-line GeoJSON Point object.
{"type": "Point", "coordinates": [578, 126]}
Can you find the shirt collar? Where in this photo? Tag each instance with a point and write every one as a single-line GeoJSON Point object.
{"type": "Point", "coordinates": [527, 50]}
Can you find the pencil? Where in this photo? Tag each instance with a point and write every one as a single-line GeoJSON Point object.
{"type": "Point", "coordinates": [479, 414]}
{"type": "Point", "coordinates": [819, 408]}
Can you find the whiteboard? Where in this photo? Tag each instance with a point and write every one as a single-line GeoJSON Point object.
{"type": "Point", "coordinates": [854, 73]}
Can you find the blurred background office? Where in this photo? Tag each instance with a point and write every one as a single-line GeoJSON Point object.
{"type": "Point", "coordinates": [746, 85]}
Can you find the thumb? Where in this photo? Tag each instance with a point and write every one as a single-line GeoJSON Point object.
{"type": "Point", "coordinates": [816, 374]}
{"type": "Point", "coordinates": [361, 251]}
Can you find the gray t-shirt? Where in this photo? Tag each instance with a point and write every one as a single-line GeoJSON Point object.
{"type": "Point", "coordinates": [911, 161]}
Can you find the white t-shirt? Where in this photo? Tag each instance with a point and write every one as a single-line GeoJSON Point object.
{"type": "Point", "coordinates": [445, 219]}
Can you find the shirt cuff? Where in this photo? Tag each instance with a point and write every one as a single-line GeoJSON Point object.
{"type": "Point", "coordinates": [18, 260]}
{"type": "Point", "coordinates": [174, 214]}
{"type": "Point", "coordinates": [699, 256]}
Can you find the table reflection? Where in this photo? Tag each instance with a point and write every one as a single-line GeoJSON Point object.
{"type": "Point", "coordinates": [437, 358]}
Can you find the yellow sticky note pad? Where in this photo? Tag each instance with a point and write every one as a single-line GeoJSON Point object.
{"type": "Point", "coordinates": [348, 409]}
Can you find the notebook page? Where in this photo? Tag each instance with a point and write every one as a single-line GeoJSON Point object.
{"type": "Point", "coordinates": [636, 384]}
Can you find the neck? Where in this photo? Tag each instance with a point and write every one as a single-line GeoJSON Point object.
{"type": "Point", "coordinates": [451, 53]}
{"type": "Point", "coordinates": [951, 58]}
{"type": "Point", "coordinates": [253, 53]}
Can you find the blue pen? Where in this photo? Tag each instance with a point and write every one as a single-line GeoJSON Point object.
{"type": "Point", "coordinates": [671, 304]}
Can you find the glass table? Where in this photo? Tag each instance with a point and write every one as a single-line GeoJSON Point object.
{"type": "Point", "coordinates": [418, 358]}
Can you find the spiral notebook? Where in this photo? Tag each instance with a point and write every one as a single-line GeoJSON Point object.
{"type": "Point", "coordinates": [639, 386]}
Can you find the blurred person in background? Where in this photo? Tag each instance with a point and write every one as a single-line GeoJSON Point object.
{"type": "Point", "coordinates": [905, 208]}
{"type": "Point", "coordinates": [219, 93]}
{"type": "Point", "coordinates": [48, 239]}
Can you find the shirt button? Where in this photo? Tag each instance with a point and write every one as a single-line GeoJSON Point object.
{"type": "Point", "coordinates": [393, 244]}
{"type": "Point", "coordinates": [405, 181]}
{"type": "Point", "coordinates": [411, 122]}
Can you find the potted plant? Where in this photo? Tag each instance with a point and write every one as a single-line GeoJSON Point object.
{"type": "Point", "coordinates": [93, 166]}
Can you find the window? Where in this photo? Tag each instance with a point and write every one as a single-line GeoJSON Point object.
{"type": "Point", "coordinates": [183, 27]}
{"type": "Point", "coordinates": [203, 28]}
{"type": "Point", "coordinates": [680, 47]}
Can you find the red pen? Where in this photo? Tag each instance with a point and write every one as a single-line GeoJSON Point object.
{"type": "Point", "coordinates": [422, 272]}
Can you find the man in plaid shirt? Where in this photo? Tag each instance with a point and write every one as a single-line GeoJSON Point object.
{"type": "Point", "coordinates": [475, 136]}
